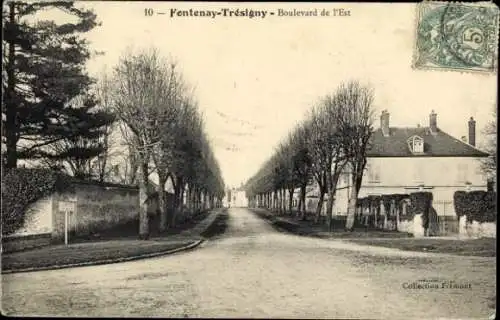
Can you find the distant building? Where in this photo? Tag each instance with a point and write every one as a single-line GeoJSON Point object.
{"type": "Point", "coordinates": [235, 197]}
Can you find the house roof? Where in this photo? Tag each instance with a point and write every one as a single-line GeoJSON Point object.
{"type": "Point", "coordinates": [439, 144]}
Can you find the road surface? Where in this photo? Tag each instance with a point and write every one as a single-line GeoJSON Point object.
{"type": "Point", "coordinates": [254, 271]}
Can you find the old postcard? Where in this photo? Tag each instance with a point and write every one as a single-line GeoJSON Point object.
{"type": "Point", "coordinates": [249, 160]}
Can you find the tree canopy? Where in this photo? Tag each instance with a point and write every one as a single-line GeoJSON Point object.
{"type": "Point", "coordinates": [44, 74]}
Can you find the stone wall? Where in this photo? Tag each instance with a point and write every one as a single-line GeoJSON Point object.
{"type": "Point", "coordinates": [98, 207]}
{"type": "Point", "coordinates": [477, 229]}
{"type": "Point", "coordinates": [38, 218]}
{"type": "Point", "coordinates": [412, 226]}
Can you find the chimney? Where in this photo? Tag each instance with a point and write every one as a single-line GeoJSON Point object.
{"type": "Point", "coordinates": [472, 132]}
{"type": "Point", "coordinates": [433, 122]}
{"type": "Point", "coordinates": [384, 123]}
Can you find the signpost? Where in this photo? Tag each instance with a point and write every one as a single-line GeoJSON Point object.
{"type": "Point", "coordinates": [68, 207]}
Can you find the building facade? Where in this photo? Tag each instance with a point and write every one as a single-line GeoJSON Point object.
{"type": "Point", "coordinates": [409, 159]}
{"type": "Point", "coordinates": [235, 197]}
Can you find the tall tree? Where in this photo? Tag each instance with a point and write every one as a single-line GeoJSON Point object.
{"type": "Point", "coordinates": [489, 164]}
{"type": "Point", "coordinates": [100, 166]}
{"type": "Point", "coordinates": [82, 155]}
{"type": "Point", "coordinates": [356, 104]}
{"type": "Point", "coordinates": [44, 70]}
{"type": "Point", "coordinates": [338, 137]}
{"type": "Point", "coordinates": [302, 163]}
{"type": "Point", "coordinates": [163, 152]}
{"type": "Point", "coordinates": [140, 99]}
{"type": "Point", "coordinates": [187, 152]}
{"type": "Point", "coordinates": [322, 141]}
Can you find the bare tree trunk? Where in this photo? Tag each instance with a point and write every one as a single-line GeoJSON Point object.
{"type": "Point", "coordinates": [191, 200]}
{"type": "Point", "coordinates": [332, 192]}
{"type": "Point", "coordinates": [278, 201]}
{"type": "Point", "coordinates": [143, 201]}
{"type": "Point", "coordinates": [102, 164]}
{"type": "Point", "coordinates": [282, 201]}
{"type": "Point", "coordinates": [194, 200]}
{"type": "Point", "coordinates": [162, 206]}
{"type": "Point", "coordinates": [183, 189]}
{"type": "Point", "coordinates": [357, 177]}
{"type": "Point", "coordinates": [178, 200]}
{"type": "Point", "coordinates": [131, 179]}
{"type": "Point", "coordinates": [320, 204]}
{"type": "Point", "coordinates": [283, 194]}
{"type": "Point", "coordinates": [10, 126]}
{"type": "Point", "coordinates": [302, 207]}
{"type": "Point", "coordinates": [351, 209]}
{"type": "Point", "coordinates": [275, 201]}
{"type": "Point", "coordinates": [198, 200]}
{"type": "Point", "coordinates": [329, 208]}
{"type": "Point", "coordinates": [397, 217]}
{"type": "Point", "coordinates": [299, 206]}
{"type": "Point", "coordinates": [203, 198]}
{"type": "Point", "coordinates": [290, 200]}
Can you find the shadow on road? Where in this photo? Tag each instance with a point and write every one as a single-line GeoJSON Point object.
{"type": "Point", "coordinates": [218, 227]}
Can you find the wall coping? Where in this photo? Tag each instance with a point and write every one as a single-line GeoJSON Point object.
{"type": "Point", "coordinates": [14, 237]}
{"type": "Point", "coordinates": [105, 184]}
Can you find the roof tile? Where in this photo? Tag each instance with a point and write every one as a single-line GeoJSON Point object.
{"type": "Point", "coordinates": [439, 144]}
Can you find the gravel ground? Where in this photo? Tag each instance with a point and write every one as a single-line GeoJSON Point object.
{"type": "Point", "coordinates": [254, 271]}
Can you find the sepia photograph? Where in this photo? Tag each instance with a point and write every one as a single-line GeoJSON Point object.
{"type": "Point", "coordinates": [281, 160]}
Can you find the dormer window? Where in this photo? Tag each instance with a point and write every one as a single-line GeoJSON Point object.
{"type": "Point", "coordinates": [416, 144]}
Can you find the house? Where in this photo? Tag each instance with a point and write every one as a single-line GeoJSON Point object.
{"type": "Point", "coordinates": [409, 159]}
{"type": "Point", "coordinates": [235, 197]}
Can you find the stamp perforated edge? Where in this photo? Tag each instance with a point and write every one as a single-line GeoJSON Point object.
{"type": "Point", "coordinates": [414, 66]}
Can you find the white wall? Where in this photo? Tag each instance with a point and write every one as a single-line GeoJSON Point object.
{"type": "Point", "coordinates": [476, 229]}
{"type": "Point", "coordinates": [431, 171]}
{"type": "Point", "coordinates": [403, 175]}
{"type": "Point", "coordinates": [39, 218]}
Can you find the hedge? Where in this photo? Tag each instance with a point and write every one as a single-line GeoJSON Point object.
{"type": "Point", "coordinates": [421, 203]}
{"type": "Point", "coordinates": [22, 187]}
{"type": "Point", "coordinates": [373, 200]}
{"type": "Point", "coordinates": [477, 206]}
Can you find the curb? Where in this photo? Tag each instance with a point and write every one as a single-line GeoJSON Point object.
{"type": "Point", "coordinates": [108, 261]}
{"type": "Point", "coordinates": [208, 226]}
{"type": "Point", "coordinates": [118, 260]}
{"type": "Point", "coordinates": [272, 222]}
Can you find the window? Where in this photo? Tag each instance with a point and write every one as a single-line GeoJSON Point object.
{"type": "Point", "coordinates": [416, 144]}
{"type": "Point", "coordinates": [374, 173]}
{"type": "Point", "coordinates": [418, 172]}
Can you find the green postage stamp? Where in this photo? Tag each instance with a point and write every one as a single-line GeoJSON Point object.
{"type": "Point", "coordinates": [456, 36]}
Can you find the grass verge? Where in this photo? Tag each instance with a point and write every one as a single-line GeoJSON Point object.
{"type": "Point", "coordinates": [483, 247]}
{"type": "Point", "coordinates": [310, 228]}
{"type": "Point", "coordinates": [129, 230]}
{"type": "Point", "coordinates": [218, 226]}
{"type": "Point", "coordinates": [85, 253]}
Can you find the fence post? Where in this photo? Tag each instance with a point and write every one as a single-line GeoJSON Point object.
{"type": "Point", "coordinates": [443, 218]}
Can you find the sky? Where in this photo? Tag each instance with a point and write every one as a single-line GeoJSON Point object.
{"type": "Point", "coordinates": [255, 79]}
